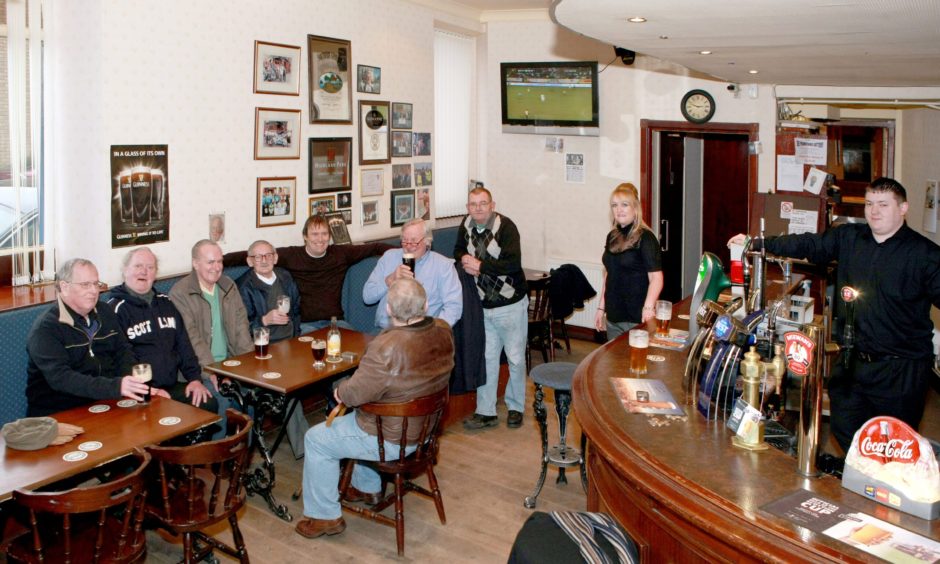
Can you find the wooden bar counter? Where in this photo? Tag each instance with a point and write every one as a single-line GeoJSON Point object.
{"type": "Point", "coordinates": [684, 493]}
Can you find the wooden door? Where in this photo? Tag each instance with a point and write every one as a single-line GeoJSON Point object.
{"type": "Point", "coordinates": [671, 200]}
{"type": "Point", "coordinates": [725, 192]}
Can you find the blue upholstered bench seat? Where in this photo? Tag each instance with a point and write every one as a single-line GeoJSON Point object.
{"type": "Point", "coordinates": [15, 324]}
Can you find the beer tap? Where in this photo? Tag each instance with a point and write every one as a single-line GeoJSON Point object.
{"type": "Point", "coordinates": [701, 349]}
{"type": "Point", "coordinates": [849, 295]}
{"type": "Point", "coordinates": [756, 298]}
{"type": "Point", "coordinates": [805, 358]}
{"type": "Point", "coordinates": [714, 395]}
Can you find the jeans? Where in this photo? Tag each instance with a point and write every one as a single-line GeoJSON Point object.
{"type": "Point", "coordinates": [310, 326]}
{"type": "Point", "coordinates": [325, 447]}
{"type": "Point", "coordinates": [615, 329]}
{"type": "Point", "coordinates": [506, 328]}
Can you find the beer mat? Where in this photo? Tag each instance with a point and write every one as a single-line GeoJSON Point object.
{"type": "Point", "coordinates": [74, 456]}
{"type": "Point", "coordinates": [655, 358]}
{"type": "Point", "coordinates": [336, 360]}
{"type": "Point", "coordinates": [127, 403]}
{"type": "Point", "coordinates": [305, 338]}
{"type": "Point", "coordinates": [859, 530]}
{"type": "Point", "coordinates": [683, 316]}
{"type": "Point", "coordinates": [99, 408]}
{"type": "Point", "coordinates": [89, 446]}
{"type": "Point", "coordinates": [169, 421]}
{"type": "Point", "coordinates": [231, 363]}
{"type": "Point", "coordinates": [649, 396]}
{"type": "Point", "coordinates": [266, 357]}
{"type": "Point", "coordinates": [665, 344]}
{"type": "Point", "coordinates": [349, 356]}
{"type": "Point", "coordinates": [271, 375]}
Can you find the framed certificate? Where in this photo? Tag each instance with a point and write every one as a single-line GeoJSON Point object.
{"type": "Point", "coordinates": [374, 133]}
{"type": "Point", "coordinates": [330, 164]}
{"type": "Point", "coordinates": [330, 79]}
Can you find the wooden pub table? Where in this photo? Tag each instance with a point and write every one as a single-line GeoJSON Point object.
{"type": "Point", "coordinates": [111, 431]}
{"type": "Point", "coordinates": [267, 384]}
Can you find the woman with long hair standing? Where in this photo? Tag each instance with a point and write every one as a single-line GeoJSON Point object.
{"type": "Point", "coordinates": [633, 267]}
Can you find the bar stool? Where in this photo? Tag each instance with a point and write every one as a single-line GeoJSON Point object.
{"type": "Point", "coordinates": [558, 376]}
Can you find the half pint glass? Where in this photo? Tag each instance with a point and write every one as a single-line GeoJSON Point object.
{"type": "Point", "coordinates": [639, 343]}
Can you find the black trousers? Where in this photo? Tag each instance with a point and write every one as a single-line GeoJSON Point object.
{"type": "Point", "coordinates": [896, 387]}
{"type": "Point", "coordinates": [178, 393]}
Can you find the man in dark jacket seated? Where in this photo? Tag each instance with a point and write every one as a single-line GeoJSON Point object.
{"type": "Point", "coordinates": [156, 332]}
{"type": "Point", "coordinates": [77, 351]}
{"type": "Point", "coordinates": [262, 287]}
{"type": "Point", "coordinates": [411, 359]}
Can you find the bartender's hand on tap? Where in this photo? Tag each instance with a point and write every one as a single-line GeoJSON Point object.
{"type": "Point", "coordinates": [738, 239]}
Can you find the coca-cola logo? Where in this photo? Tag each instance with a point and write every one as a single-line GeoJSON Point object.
{"type": "Point", "coordinates": [886, 439]}
{"type": "Point", "coordinates": [799, 352]}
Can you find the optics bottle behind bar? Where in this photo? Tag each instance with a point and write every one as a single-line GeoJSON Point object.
{"type": "Point", "coordinates": [333, 342]}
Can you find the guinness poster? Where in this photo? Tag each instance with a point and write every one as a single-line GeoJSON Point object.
{"type": "Point", "coordinates": [140, 195]}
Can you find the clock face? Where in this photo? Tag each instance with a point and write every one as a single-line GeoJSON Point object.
{"type": "Point", "coordinates": [698, 106]}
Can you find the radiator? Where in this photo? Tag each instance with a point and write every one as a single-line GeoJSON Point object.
{"type": "Point", "coordinates": [595, 275]}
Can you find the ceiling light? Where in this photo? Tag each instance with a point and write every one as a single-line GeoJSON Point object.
{"type": "Point", "coordinates": [636, 19]}
{"type": "Point", "coordinates": [753, 71]}
{"type": "Point", "coordinates": [706, 52]}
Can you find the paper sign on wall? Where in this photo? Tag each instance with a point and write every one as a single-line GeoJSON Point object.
{"type": "Point", "coordinates": [811, 151]}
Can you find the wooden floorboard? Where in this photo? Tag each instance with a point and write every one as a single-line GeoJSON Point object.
{"type": "Point", "coordinates": [484, 477]}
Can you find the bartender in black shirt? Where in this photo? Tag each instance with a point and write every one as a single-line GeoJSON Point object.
{"type": "Point", "coordinates": [896, 272]}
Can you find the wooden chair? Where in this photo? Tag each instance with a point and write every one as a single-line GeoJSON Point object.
{"type": "Point", "coordinates": [541, 334]}
{"type": "Point", "coordinates": [199, 485]}
{"type": "Point", "coordinates": [426, 412]}
{"type": "Point", "coordinates": [100, 523]}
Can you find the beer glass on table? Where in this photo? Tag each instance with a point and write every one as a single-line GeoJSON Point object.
{"type": "Point", "coordinates": [262, 336]}
{"type": "Point", "coordinates": [408, 259]}
{"type": "Point", "coordinates": [663, 317]}
{"type": "Point", "coordinates": [639, 343]}
{"type": "Point", "coordinates": [143, 374]}
{"type": "Point", "coordinates": [318, 348]}
{"type": "Point", "coordinates": [283, 304]}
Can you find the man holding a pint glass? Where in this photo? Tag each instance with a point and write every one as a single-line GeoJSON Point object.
{"type": "Point", "coordinates": [416, 260]}
{"type": "Point", "coordinates": [890, 275]}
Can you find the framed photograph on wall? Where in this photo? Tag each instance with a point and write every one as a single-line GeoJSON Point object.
{"type": "Point", "coordinates": [329, 164]}
{"type": "Point", "coordinates": [344, 201]}
{"type": "Point", "coordinates": [277, 69]}
{"type": "Point", "coordinates": [403, 207]}
{"type": "Point", "coordinates": [338, 231]}
{"type": "Point", "coordinates": [369, 79]}
{"type": "Point", "coordinates": [401, 143]}
{"type": "Point", "coordinates": [322, 205]}
{"type": "Point", "coordinates": [329, 79]}
{"type": "Point", "coordinates": [401, 176]}
{"type": "Point", "coordinates": [370, 212]}
{"type": "Point", "coordinates": [422, 144]}
{"type": "Point", "coordinates": [277, 134]}
{"type": "Point", "coordinates": [277, 201]}
{"type": "Point", "coordinates": [401, 115]}
{"type": "Point", "coordinates": [423, 174]}
{"type": "Point", "coordinates": [371, 181]}
{"type": "Point", "coordinates": [374, 133]}
{"type": "Point", "coordinates": [423, 204]}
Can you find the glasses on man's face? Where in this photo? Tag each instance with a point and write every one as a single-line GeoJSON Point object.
{"type": "Point", "coordinates": [409, 243]}
{"type": "Point", "coordinates": [91, 285]}
{"type": "Point", "coordinates": [478, 205]}
{"type": "Point", "coordinates": [263, 256]}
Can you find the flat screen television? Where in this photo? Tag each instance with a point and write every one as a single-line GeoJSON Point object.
{"type": "Point", "coordinates": [550, 98]}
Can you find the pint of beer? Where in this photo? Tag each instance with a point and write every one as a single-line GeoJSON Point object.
{"type": "Point", "coordinates": [639, 343]}
{"type": "Point", "coordinates": [143, 374]}
{"type": "Point", "coordinates": [408, 260]}
{"type": "Point", "coordinates": [663, 317]}
{"type": "Point", "coordinates": [262, 336]}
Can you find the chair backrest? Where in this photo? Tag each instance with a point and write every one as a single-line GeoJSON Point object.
{"type": "Point", "coordinates": [425, 411]}
{"type": "Point", "coordinates": [539, 302]}
{"type": "Point", "coordinates": [75, 542]}
{"type": "Point", "coordinates": [185, 497]}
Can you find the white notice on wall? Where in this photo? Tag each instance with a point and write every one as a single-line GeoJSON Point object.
{"type": "Point", "coordinates": [803, 221]}
{"type": "Point", "coordinates": [811, 151]}
{"type": "Point", "coordinates": [574, 167]}
{"type": "Point", "coordinates": [789, 173]}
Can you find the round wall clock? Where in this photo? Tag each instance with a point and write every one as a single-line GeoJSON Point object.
{"type": "Point", "coordinates": [697, 106]}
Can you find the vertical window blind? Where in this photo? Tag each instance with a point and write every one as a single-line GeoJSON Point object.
{"type": "Point", "coordinates": [454, 70]}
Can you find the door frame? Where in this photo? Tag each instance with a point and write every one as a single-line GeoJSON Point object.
{"type": "Point", "coordinates": [649, 127]}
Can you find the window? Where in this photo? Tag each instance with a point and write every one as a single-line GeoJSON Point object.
{"type": "Point", "coordinates": [20, 134]}
{"type": "Point", "coordinates": [454, 129]}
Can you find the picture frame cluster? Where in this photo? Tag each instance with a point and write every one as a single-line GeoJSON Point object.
{"type": "Point", "coordinates": [385, 132]}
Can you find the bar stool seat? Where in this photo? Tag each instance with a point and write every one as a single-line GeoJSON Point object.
{"type": "Point", "coordinates": [557, 376]}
